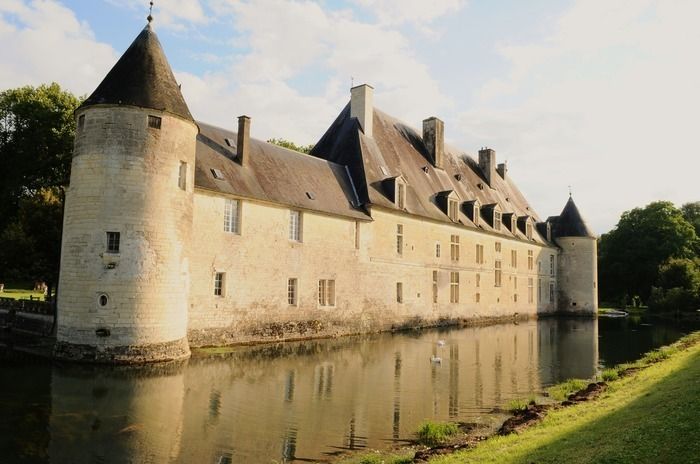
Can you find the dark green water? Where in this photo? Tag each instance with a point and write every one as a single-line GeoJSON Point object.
{"type": "Point", "coordinates": [298, 402]}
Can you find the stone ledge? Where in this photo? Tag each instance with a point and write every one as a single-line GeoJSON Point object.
{"type": "Point", "coordinates": [140, 354]}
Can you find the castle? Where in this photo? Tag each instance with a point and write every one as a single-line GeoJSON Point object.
{"type": "Point", "coordinates": [180, 234]}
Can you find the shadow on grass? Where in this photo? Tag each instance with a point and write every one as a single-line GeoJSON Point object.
{"type": "Point", "coordinates": [659, 427]}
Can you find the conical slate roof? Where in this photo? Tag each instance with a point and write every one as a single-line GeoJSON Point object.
{"type": "Point", "coordinates": [142, 77]}
{"type": "Point", "coordinates": [570, 223]}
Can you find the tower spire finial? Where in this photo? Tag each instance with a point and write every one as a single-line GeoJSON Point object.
{"type": "Point", "coordinates": [569, 191]}
{"type": "Point", "coordinates": [150, 13]}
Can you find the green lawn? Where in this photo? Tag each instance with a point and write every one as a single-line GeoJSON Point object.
{"type": "Point", "coordinates": [647, 417]}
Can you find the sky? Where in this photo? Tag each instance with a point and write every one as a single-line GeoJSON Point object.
{"type": "Point", "coordinates": [599, 96]}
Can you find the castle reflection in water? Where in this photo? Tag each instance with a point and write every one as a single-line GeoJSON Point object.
{"type": "Point", "coordinates": [277, 403]}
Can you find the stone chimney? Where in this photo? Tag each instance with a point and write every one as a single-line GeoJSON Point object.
{"type": "Point", "coordinates": [487, 163]}
{"type": "Point", "coordinates": [243, 144]}
{"type": "Point", "coordinates": [502, 170]}
{"type": "Point", "coordinates": [362, 106]}
{"type": "Point", "coordinates": [434, 140]}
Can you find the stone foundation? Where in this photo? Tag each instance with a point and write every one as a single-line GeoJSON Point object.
{"type": "Point", "coordinates": [157, 352]}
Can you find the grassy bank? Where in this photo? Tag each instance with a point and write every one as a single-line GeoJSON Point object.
{"type": "Point", "coordinates": [646, 416]}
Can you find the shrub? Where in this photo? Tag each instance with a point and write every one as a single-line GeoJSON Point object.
{"type": "Point", "coordinates": [609, 375]}
{"type": "Point", "coordinates": [520, 404]}
{"type": "Point", "coordinates": [562, 391]}
{"type": "Point", "coordinates": [435, 433]}
{"type": "Point", "coordinates": [662, 353]}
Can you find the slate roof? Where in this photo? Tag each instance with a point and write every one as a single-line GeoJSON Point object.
{"type": "Point", "coordinates": [142, 77]}
{"type": "Point", "coordinates": [570, 223]}
{"type": "Point", "coordinates": [274, 174]}
{"type": "Point", "coordinates": [397, 149]}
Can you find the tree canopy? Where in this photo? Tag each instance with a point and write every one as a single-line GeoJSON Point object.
{"type": "Point", "coordinates": [37, 128]}
{"type": "Point", "coordinates": [291, 145]}
{"type": "Point", "coordinates": [644, 239]}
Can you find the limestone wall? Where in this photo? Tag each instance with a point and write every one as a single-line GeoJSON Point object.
{"type": "Point", "coordinates": [124, 179]}
{"type": "Point", "coordinates": [259, 261]}
{"type": "Point", "coordinates": [578, 280]}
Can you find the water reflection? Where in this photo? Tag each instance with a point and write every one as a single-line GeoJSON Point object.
{"type": "Point", "coordinates": [299, 401]}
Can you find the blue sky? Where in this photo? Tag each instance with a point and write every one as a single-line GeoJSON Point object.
{"type": "Point", "coordinates": [599, 95]}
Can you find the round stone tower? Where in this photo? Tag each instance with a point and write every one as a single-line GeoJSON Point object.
{"type": "Point", "coordinates": [577, 278]}
{"type": "Point", "coordinates": [124, 280]}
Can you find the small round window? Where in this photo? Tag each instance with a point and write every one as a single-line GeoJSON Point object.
{"type": "Point", "coordinates": [103, 300]}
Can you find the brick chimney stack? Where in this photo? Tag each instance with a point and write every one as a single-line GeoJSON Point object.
{"type": "Point", "coordinates": [243, 144]}
{"type": "Point", "coordinates": [434, 140]}
{"type": "Point", "coordinates": [362, 106]}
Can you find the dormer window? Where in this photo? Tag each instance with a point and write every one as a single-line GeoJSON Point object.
{"type": "Point", "coordinates": [154, 122]}
{"type": "Point", "coordinates": [497, 220]}
{"type": "Point", "coordinates": [452, 209]}
{"type": "Point", "coordinates": [400, 195]}
{"type": "Point", "coordinates": [528, 230]}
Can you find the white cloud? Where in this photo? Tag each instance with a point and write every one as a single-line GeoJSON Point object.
{"type": "Point", "coordinates": [607, 102]}
{"type": "Point", "coordinates": [409, 11]}
{"type": "Point", "coordinates": [169, 14]}
{"type": "Point", "coordinates": [45, 42]}
{"type": "Point", "coordinates": [291, 41]}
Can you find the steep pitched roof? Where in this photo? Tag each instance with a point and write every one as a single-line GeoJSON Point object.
{"type": "Point", "coordinates": [570, 223]}
{"type": "Point", "coordinates": [273, 174]}
{"type": "Point", "coordinates": [397, 149]}
{"type": "Point", "coordinates": [142, 77]}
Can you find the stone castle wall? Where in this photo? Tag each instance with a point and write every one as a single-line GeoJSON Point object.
{"type": "Point", "coordinates": [579, 275]}
{"type": "Point", "coordinates": [259, 261]}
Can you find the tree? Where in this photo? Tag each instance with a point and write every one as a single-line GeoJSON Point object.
{"type": "Point", "coordinates": [678, 286]}
{"type": "Point", "coordinates": [691, 213]}
{"type": "Point", "coordinates": [37, 128]}
{"type": "Point", "coordinates": [291, 145]}
{"type": "Point", "coordinates": [644, 239]}
{"type": "Point", "coordinates": [36, 141]}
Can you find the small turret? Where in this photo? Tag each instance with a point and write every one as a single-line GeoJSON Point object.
{"type": "Point", "coordinates": [577, 274]}
{"type": "Point", "coordinates": [124, 281]}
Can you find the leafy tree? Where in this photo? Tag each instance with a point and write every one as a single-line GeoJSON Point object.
{"type": "Point", "coordinates": [292, 146]}
{"type": "Point", "coordinates": [679, 286]}
{"type": "Point", "coordinates": [37, 128]}
{"type": "Point", "coordinates": [691, 213]}
{"type": "Point", "coordinates": [644, 238]}
{"type": "Point", "coordinates": [36, 141]}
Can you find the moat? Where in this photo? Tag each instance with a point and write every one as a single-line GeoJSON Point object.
{"type": "Point", "coordinates": [302, 401]}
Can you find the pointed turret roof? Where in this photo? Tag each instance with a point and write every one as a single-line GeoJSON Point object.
{"type": "Point", "coordinates": [142, 77]}
{"type": "Point", "coordinates": [570, 223]}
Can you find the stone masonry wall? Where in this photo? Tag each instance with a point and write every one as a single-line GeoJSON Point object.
{"type": "Point", "coordinates": [578, 280]}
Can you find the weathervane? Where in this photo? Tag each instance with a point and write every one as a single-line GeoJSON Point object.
{"type": "Point", "coordinates": [569, 191]}
{"type": "Point", "coordinates": [150, 13]}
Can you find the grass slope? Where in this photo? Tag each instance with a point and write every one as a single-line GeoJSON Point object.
{"type": "Point", "coordinates": [650, 416]}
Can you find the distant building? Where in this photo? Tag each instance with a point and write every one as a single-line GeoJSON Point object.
{"type": "Point", "coordinates": [179, 234]}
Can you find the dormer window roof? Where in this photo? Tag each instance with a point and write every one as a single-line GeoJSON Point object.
{"type": "Point", "coordinates": [395, 189]}
{"type": "Point", "coordinates": [473, 211]}
{"type": "Point", "coordinates": [492, 214]}
{"type": "Point", "coordinates": [525, 225]}
{"type": "Point", "coordinates": [510, 220]}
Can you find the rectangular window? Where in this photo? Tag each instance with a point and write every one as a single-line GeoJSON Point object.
{"type": "Point", "coordinates": [454, 287]}
{"type": "Point", "coordinates": [452, 210]}
{"type": "Point", "coordinates": [551, 265]}
{"type": "Point", "coordinates": [400, 195]}
{"type": "Point", "coordinates": [219, 280]}
{"type": "Point", "coordinates": [326, 292]}
{"type": "Point", "coordinates": [182, 176]}
{"type": "Point", "coordinates": [497, 246]}
{"type": "Point", "coordinates": [497, 275]}
{"type": "Point", "coordinates": [435, 286]}
{"type": "Point", "coordinates": [437, 250]}
{"type": "Point", "coordinates": [154, 122]}
{"type": "Point", "coordinates": [454, 247]}
{"type": "Point", "coordinates": [478, 280]}
{"type": "Point", "coordinates": [539, 267]}
{"type": "Point", "coordinates": [292, 292]}
{"type": "Point", "coordinates": [479, 254]}
{"type": "Point", "coordinates": [399, 239]}
{"type": "Point", "coordinates": [477, 214]}
{"type": "Point", "coordinates": [477, 297]}
{"type": "Point", "coordinates": [497, 220]}
{"type": "Point", "coordinates": [514, 258]}
{"type": "Point", "coordinates": [357, 235]}
{"type": "Point", "coordinates": [399, 292]}
{"type": "Point", "coordinates": [232, 216]}
{"type": "Point", "coordinates": [113, 239]}
{"type": "Point", "coordinates": [528, 231]}
{"type": "Point", "coordinates": [551, 291]}
{"type": "Point", "coordinates": [530, 260]}
{"type": "Point", "coordinates": [295, 226]}
{"type": "Point", "coordinates": [539, 290]}
{"type": "Point", "coordinates": [530, 290]}
{"type": "Point", "coordinates": [515, 297]}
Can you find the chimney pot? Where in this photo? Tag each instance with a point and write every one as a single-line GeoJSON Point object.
{"type": "Point", "coordinates": [502, 170]}
{"type": "Point", "coordinates": [434, 140]}
{"type": "Point", "coordinates": [243, 145]}
{"type": "Point", "coordinates": [362, 106]}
